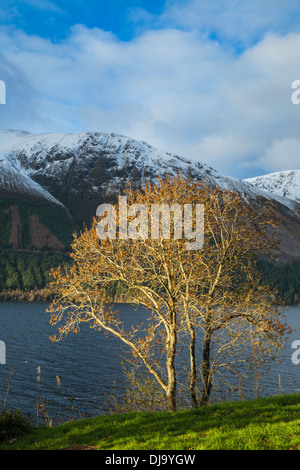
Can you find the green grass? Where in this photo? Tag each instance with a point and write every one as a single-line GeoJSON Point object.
{"type": "Point", "coordinates": [265, 424]}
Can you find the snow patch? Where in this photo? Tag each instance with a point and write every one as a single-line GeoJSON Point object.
{"type": "Point", "coordinates": [285, 184]}
{"type": "Point", "coordinates": [23, 156]}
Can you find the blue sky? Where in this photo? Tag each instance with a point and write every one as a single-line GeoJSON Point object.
{"type": "Point", "coordinates": [53, 19]}
{"type": "Point", "coordinates": [209, 80]}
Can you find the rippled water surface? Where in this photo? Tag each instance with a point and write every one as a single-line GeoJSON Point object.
{"type": "Point", "coordinates": [88, 364]}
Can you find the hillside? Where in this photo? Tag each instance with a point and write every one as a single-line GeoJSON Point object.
{"type": "Point", "coordinates": [51, 184]}
{"type": "Point", "coordinates": [265, 424]}
{"type": "Point", "coordinates": [281, 183]}
{"type": "Point", "coordinates": [34, 224]}
{"type": "Point", "coordinates": [84, 170]}
{"type": "Point", "coordinates": [35, 236]}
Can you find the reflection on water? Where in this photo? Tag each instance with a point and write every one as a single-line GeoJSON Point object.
{"type": "Point", "coordinates": [88, 364]}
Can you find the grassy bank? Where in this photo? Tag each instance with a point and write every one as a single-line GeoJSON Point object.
{"type": "Point", "coordinates": [264, 424]}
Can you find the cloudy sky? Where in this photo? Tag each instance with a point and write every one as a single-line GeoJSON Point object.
{"type": "Point", "coordinates": [207, 79]}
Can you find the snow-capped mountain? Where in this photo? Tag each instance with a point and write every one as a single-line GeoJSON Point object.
{"type": "Point", "coordinates": [280, 183]}
{"type": "Point", "coordinates": [84, 170]}
{"type": "Point", "coordinates": [13, 178]}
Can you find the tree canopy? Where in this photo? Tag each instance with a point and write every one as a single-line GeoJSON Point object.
{"type": "Point", "coordinates": [213, 293]}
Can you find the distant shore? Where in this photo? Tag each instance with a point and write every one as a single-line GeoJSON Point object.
{"type": "Point", "coordinates": [46, 295]}
{"type": "Point", "coordinates": [38, 295]}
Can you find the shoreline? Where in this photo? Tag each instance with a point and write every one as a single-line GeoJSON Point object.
{"type": "Point", "coordinates": [46, 295]}
{"type": "Point", "coordinates": [38, 295]}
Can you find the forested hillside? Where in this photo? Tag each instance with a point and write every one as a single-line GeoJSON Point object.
{"type": "Point", "coordinates": [28, 224]}
{"type": "Point", "coordinates": [51, 185]}
{"type": "Point", "coordinates": [34, 237]}
{"type": "Point", "coordinates": [25, 275]}
{"type": "Point", "coordinates": [285, 278]}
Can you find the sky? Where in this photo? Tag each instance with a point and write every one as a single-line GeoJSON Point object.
{"type": "Point", "coordinates": [210, 80]}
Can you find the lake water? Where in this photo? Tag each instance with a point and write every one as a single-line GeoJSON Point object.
{"type": "Point", "coordinates": [88, 364]}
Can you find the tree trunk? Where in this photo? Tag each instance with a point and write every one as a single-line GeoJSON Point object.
{"type": "Point", "coordinates": [171, 399]}
{"type": "Point", "coordinates": [193, 372]}
{"type": "Point", "coordinates": [171, 370]}
{"type": "Point", "coordinates": [206, 373]}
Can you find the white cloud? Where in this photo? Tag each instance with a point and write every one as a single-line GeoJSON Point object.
{"type": "Point", "coordinates": [283, 154]}
{"type": "Point", "coordinates": [240, 23]}
{"type": "Point", "coordinates": [174, 89]}
{"type": "Point", "coordinates": [43, 5]}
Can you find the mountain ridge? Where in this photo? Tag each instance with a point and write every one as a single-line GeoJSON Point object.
{"type": "Point", "coordinates": [281, 183]}
{"type": "Point", "coordinates": [34, 155]}
{"type": "Point", "coordinates": [80, 171]}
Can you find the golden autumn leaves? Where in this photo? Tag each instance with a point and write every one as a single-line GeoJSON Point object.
{"type": "Point", "coordinates": [211, 299]}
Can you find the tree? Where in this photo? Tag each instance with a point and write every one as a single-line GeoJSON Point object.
{"type": "Point", "coordinates": [211, 291]}
{"type": "Point", "coordinates": [12, 277]}
{"type": "Point", "coordinates": [28, 279]}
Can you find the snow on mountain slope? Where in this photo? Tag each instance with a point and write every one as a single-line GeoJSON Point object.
{"type": "Point", "coordinates": [84, 170]}
{"type": "Point", "coordinates": [81, 170]}
{"type": "Point", "coordinates": [281, 183]}
{"type": "Point", "coordinates": [15, 181]}
{"type": "Point", "coordinates": [13, 178]}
